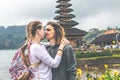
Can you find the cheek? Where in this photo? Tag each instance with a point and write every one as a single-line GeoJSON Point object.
{"type": "Point", "coordinates": [48, 35]}
{"type": "Point", "coordinates": [43, 33]}
{"type": "Point", "coordinates": [52, 35]}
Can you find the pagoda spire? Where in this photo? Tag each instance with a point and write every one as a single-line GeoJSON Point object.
{"type": "Point", "coordinates": [64, 17]}
{"type": "Point", "coordinates": [64, 14]}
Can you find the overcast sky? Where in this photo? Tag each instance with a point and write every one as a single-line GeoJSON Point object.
{"type": "Point", "coordinates": [89, 13]}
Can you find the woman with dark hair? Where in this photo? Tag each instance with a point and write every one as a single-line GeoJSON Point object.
{"type": "Point", "coordinates": [38, 52]}
{"type": "Point", "coordinates": [67, 68]}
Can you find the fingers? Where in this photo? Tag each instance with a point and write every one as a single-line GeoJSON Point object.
{"type": "Point", "coordinates": [65, 41]}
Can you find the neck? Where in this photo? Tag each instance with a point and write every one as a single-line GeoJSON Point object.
{"type": "Point", "coordinates": [36, 39]}
{"type": "Point", "coordinates": [52, 42]}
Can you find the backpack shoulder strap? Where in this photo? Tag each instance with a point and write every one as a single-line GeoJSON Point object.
{"type": "Point", "coordinates": [16, 55]}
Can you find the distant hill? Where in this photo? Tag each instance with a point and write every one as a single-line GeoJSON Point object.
{"type": "Point", "coordinates": [12, 37]}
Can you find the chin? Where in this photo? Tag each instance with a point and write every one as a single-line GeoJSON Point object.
{"type": "Point", "coordinates": [46, 37]}
{"type": "Point", "coordinates": [43, 38]}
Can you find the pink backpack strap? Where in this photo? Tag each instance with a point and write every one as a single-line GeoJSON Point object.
{"type": "Point", "coordinates": [29, 44]}
{"type": "Point", "coordinates": [16, 55]}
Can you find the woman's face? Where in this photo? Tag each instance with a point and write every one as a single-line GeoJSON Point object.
{"type": "Point", "coordinates": [49, 32]}
{"type": "Point", "coordinates": [40, 33]}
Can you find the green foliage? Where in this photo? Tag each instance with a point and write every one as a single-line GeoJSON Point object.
{"type": "Point", "coordinates": [108, 75]}
{"type": "Point", "coordinates": [90, 77]}
{"type": "Point", "coordinates": [12, 37]}
{"type": "Point", "coordinates": [114, 51]}
{"type": "Point", "coordinates": [92, 54]}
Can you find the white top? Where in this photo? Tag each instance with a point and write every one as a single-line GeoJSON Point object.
{"type": "Point", "coordinates": [43, 71]}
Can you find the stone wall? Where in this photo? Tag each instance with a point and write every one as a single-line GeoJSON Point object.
{"type": "Point", "coordinates": [109, 60]}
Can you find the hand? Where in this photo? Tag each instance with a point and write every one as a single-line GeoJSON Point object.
{"type": "Point", "coordinates": [64, 42]}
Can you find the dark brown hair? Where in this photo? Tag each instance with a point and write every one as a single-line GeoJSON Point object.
{"type": "Point", "coordinates": [59, 31]}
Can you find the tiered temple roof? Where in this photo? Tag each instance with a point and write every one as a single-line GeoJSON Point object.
{"type": "Point", "coordinates": [62, 0]}
{"type": "Point", "coordinates": [64, 18]}
{"type": "Point", "coordinates": [68, 24]}
{"type": "Point", "coordinates": [63, 5]}
{"type": "Point", "coordinates": [107, 38]}
{"type": "Point", "coordinates": [69, 16]}
{"type": "Point", "coordinates": [64, 10]}
{"type": "Point", "coordinates": [74, 31]}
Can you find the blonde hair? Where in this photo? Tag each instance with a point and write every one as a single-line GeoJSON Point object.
{"type": "Point", "coordinates": [31, 29]}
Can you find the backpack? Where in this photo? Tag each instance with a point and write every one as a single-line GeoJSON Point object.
{"type": "Point", "coordinates": [20, 65]}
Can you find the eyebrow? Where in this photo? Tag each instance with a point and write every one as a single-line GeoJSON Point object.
{"type": "Point", "coordinates": [48, 29]}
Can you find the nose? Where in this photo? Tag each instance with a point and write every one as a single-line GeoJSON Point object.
{"type": "Point", "coordinates": [45, 31]}
{"type": "Point", "coordinates": [44, 35]}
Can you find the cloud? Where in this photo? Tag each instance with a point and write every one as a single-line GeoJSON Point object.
{"type": "Point", "coordinates": [97, 13]}
{"type": "Point", "coordinates": [85, 8]}
{"type": "Point", "coordinates": [101, 21]}
{"type": "Point", "coordinates": [22, 11]}
{"type": "Point", "coordinates": [89, 13]}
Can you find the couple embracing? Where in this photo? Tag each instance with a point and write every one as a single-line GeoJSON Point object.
{"type": "Point", "coordinates": [57, 60]}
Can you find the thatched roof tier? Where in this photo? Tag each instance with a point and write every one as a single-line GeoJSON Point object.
{"type": "Point", "coordinates": [64, 10]}
{"type": "Point", "coordinates": [107, 38]}
{"type": "Point", "coordinates": [62, 0]}
{"type": "Point", "coordinates": [66, 26]}
{"type": "Point", "coordinates": [69, 23]}
{"type": "Point", "coordinates": [75, 32]}
{"type": "Point", "coordinates": [64, 18]}
{"type": "Point", "coordinates": [64, 5]}
{"type": "Point", "coordinates": [111, 31]}
{"type": "Point", "coordinates": [70, 16]}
